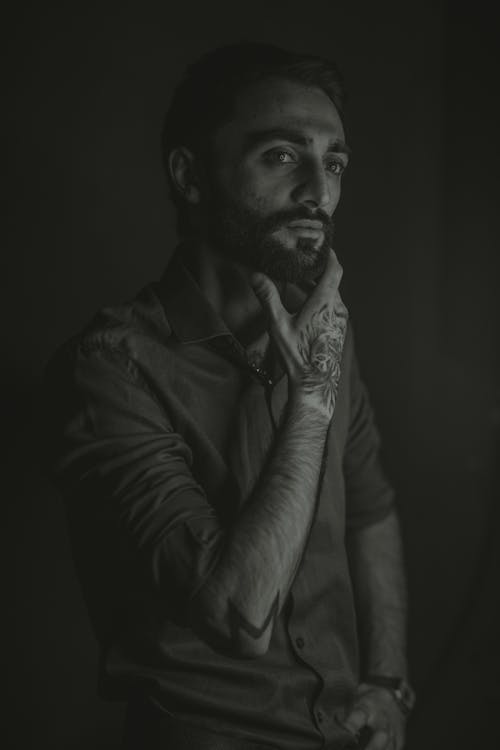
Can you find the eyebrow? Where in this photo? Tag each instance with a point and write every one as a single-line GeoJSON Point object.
{"type": "Point", "coordinates": [259, 137]}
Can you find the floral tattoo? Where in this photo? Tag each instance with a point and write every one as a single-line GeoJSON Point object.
{"type": "Point", "coordinates": [320, 347]}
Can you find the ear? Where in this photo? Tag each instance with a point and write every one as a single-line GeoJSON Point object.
{"type": "Point", "coordinates": [181, 164]}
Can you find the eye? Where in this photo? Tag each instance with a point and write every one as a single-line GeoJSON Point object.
{"type": "Point", "coordinates": [279, 156]}
{"type": "Point", "coordinates": [335, 166]}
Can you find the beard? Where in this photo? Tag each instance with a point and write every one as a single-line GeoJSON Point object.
{"type": "Point", "coordinates": [245, 236]}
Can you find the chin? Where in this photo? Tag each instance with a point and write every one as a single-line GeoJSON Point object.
{"type": "Point", "coordinates": [302, 264]}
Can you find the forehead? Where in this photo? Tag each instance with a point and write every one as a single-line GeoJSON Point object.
{"type": "Point", "coordinates": [277, 103]}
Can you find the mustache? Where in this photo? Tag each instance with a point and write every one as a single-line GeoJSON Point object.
{"type": "Point", "coordinates": [276, 220]}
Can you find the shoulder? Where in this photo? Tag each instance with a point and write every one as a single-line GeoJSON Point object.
{"type": "Point", "coordinates": [125, 331]}
{"type": "Point", "coordinates": [122, 327]}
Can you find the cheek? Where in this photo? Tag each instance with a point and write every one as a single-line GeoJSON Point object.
{"type": "Point", "coordinates": [263, 197]}
{"type": "Point", "coordinates": [253, 191]}
{"type": "Point", "coordinates": [253, 199]}
{"type": "Point", "coordinates": [261, 204]}
{"type": "Point", "coordinates": [335, 191]}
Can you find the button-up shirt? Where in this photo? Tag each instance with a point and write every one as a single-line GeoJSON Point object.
{"type": "Point", "coordinates": [160, 430]}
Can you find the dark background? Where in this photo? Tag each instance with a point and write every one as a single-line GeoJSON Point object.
{"type": "Point", "coordinates": [89, 223]}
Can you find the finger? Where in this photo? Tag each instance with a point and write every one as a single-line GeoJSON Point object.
{"type": "Point", "coordinates": [356, 720]}
{"type": "Point", "coordinates": [338, 305]}
{"type": "Point", "coordinates": [268, 296]}
{"type": "Point", "coordinates": [331, 277]}
{"type": "Point", "coordinates": [327, 287]}
{"type": "Point", "coordinates": [380, 740]}
{"type": "Point", "coordinates": [399, 739]}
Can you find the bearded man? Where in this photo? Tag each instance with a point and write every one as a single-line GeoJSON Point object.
{"type": "Point", "coordinates": [235, 536]}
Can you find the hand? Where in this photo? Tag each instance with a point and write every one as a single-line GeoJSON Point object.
{"type": "Point", "coordinates": [311, 341]}
{"type": "Point", "coordinates": [375, 708]}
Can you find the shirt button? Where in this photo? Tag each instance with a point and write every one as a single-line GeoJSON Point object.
{"type": "Point", "coordinates": [319, 716]}
{"type": "Point", "coordinates": [299, 642]}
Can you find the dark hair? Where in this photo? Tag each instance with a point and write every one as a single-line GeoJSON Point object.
{"type": "Point", "coordinates": [205, 98]}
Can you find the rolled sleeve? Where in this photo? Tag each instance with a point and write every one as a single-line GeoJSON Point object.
{"type": "Point", "coordinates": [114, 448]}
{"type": "Point", "coordinates": [369, 495]}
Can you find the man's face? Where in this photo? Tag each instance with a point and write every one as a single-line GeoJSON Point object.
{"type": "Point", "coordinates": [274, 180]}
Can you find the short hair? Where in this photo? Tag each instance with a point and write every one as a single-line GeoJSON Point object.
{"type": "Point", "coordinates": [205, 98]}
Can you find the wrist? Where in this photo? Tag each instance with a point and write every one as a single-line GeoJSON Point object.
{"type": "Point", "coordinates": [400, 689]}
{"type": "Point", "coordinates": [387, 658]}
{"type": "Point", "coordinates": [310, 404]}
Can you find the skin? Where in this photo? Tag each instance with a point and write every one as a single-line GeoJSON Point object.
{"type": "Point", "coordinates": [274, 175]}
{"type": "Point", "coordinates": [297, 166]}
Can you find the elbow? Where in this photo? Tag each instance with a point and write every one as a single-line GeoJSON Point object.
{"type": "Point", "coordinates": [235, 645]}
{"type": "Point", "coordinates": [250, 648]}
{"type": "Point", "coordinates": [238, 646]}
{"type": "Point", "coordinates": [220, 630]}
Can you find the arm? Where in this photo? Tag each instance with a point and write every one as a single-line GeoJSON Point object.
{"type": "Point", "coordinates": [376, 562]}
{"type": "Point", "coordinates": [241, 598]}
{"type": "Point", "coordinates": [247, 588]}
{"type": "Point", "coordinates": [374, 549]}
{"type": "Point", "coordinates": [375, 557]}
{"type": "Point", "coordinates": [119, 452]}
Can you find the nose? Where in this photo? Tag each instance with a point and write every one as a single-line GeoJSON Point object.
{"type": "Point", "coordinates": [316, 188]}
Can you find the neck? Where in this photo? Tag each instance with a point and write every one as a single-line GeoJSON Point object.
{"type": "Point", "coordinates": [226, 284]}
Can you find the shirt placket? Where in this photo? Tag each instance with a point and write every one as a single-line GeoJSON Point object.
{"type": "Point", "coordinates": [276, 395]}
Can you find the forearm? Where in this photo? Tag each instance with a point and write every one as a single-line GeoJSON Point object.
{"type": "Point", "coordinates": [247, 587]}
{"type": "Point", "coordinates": [376, 560]}
{"type": "Point", "coordinates": [262, 551]}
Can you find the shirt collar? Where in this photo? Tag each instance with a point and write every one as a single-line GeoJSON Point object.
{"type": "Point", "coordinates": [189, 314]}
{"type": "Point", "coordinates": [193, 319]}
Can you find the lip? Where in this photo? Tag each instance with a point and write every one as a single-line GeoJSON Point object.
{"type": "Point", "coordinates": [306, 224]}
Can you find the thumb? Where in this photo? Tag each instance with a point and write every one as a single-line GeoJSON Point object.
{"type": "Point", "coordinates": [267, 294]}
{"type": "Point", "coordinates": [356, 720]}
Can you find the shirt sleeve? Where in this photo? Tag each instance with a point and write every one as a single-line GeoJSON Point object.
{"type": "Point", "coordinates": [115, 455]}
{"type": "Point", "coordinates": [369, 495]}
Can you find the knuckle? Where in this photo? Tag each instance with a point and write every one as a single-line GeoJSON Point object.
{"type": "Point", "coordinates": [336, 272]}
{"type": "Point", "coordinates": [265, 293]}
{"type": "Point", "coordinates": [335, 266]}
{"type": "Point", "coordinates": [342, 310]}
{"type": "Point", "coordinates": [263, 288]}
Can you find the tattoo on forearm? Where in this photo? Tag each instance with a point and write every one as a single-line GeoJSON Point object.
{"type": "Point", "coordinates": [320, 347]}
{"type": "Point", "coordinates": [237, 622]}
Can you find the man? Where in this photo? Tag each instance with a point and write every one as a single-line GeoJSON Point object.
{"type": "Point", "coordinates": [217, 450]}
